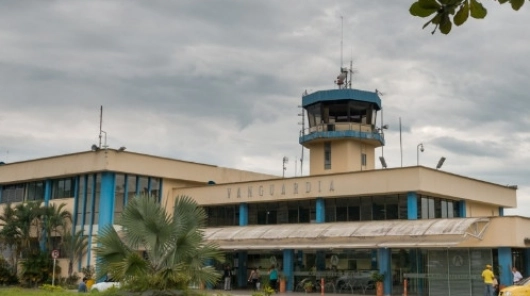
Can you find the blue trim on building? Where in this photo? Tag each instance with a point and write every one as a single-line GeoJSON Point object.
{"type": "Point", "coordinates": [242, 269]}
{"type": "Point", "coordinates": [462, 208]}
{"type": "Point", "coordinates": [505, 266]}
{"type": "Point", "coordinates": [342, 94]}
{"type": "Point", "coordinates": [106, 199]}
{"type": "Point", "coordinates": [288, 268]}
{"type": "Point", "coordinates": [320, 210]}
{"type": "Point", "coordinates": [385, 268]}
{"type": "Point", "coordinates": [83, 214]}
{"type": "Point", "coordinates": [501, 211]}
{"type": "Point", "coordinates": [47, 197]}
{"type": "Point", "coordinates": [76, 203]}
{"type": "Point", "coordinates": [376, 137]}
{"type": "Point", "coordinates": [412, 206]}
{"type": "Point", "coordinates": [47, 192]}
{"type": "Point", "coordinates": [93, 208]}
{"type": "Point", "coordinates": [243, 214]}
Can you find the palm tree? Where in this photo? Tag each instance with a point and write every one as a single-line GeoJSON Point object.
{"type": "Point", "coordinates": [54, 221]}
{"type": "Point", "coordinates": [26, 221]}
{"type": "Point", "coordinates": [175, 251]}
{"type": "Point", "coordinates": [10, 234]}
{"type": "Point", "coordinates": [75, 247]}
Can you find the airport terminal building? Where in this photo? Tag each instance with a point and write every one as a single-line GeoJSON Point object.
{"type": "Point", "coordinates": [342, 222]}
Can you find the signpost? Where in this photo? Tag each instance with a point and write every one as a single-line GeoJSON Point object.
{"type": "Point", "coordinates": [55, 255]}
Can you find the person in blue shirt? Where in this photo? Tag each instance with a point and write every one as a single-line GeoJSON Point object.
{"type": "Point", "coordinates": [273, 278]}
{"type": "Point", "coordinates": [82, 286]}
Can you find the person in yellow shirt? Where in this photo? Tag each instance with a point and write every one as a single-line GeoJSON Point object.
{"type": "Point", "coordinates": [488, 277]}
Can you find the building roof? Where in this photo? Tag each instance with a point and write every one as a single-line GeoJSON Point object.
{"type": "Point", "coordinates": [342, 94]}
{"type": "Point", "coordinates": [390, 233]}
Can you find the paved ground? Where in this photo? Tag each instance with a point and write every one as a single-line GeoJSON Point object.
{"type": "Point", "coordinates": [249, 293]}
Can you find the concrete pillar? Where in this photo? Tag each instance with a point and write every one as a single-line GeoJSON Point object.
{"type": "Point", "coordinates": [288, 268]}
{"type": "Point", "coordinates": [412, 206]}
{"type": "Point", "coordinates": [320, 210]}
{"type": "Point", "coordinates": [385, 268]}
{"type": "Point", "coordinates": [243, 214]}
{"type": "Point", "coordinates": [505, 266]}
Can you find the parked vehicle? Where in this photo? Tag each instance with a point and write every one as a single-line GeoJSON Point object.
{"type": "Point", "coordinates": [521, 288]}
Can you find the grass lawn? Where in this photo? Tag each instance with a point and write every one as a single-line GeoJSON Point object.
{"type": "Point", "coordinates": [34, 292]}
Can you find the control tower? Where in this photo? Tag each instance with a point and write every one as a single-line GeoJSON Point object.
{"type": "Point", "coordinates": [342, 133]}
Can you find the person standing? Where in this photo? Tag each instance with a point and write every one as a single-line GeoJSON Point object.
{"type": "Point", "coordinates": [254, 278]}
{"type": "Point", "coordinates": [488, 277]}
{"type": "Point", "coordinates": [517, 276]}
{"type": "Point", "coordinates": [273, 278]}
{"type": "Point", "coordinates": [228, 278]}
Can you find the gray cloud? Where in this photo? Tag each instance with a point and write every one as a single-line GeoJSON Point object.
{"type": "Point", "coordinates": [220, 82]}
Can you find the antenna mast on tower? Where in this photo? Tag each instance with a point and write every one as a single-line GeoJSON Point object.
{"type": "Point", "coordinates": [100, 124]}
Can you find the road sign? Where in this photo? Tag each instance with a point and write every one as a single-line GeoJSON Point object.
{"type": "Point", "coordinates": [55, 254]}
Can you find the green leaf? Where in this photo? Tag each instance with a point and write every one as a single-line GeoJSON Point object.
{"type": "Point", "coordinates": [477, 10]}
{"type": "Point", "coordinates": [417, 10]}
{"type": "Point", "coordinates": [462, 15]}
{"type": "Point", "coordinates": [516, 4]}
{"type": "Point", "coordinates": [445, 25]}
{"type": "Point", "coordinates": [429, 4]}
{"type": "Point", "coordinates": [503, 1]}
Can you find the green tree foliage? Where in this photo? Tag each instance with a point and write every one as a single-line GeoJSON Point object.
{"type": "Point", "coordinates": [444, 13]}
{"type": "Point", "coordinates": [27, 225]}
{"type": "Point", "coordinates": [75, 246]}
{"type": "Point", "coordinates": [175, 253]}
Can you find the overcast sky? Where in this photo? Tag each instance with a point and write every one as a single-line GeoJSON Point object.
{"type": "Point", "coordinates": [219, 82]}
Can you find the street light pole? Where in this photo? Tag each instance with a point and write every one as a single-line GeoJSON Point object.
{"type": "Point", "coordinates": [418, 149]}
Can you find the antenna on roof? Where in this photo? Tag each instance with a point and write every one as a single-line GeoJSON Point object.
{"type": "Point", "coordinates": [100, 124]}
{"type": "Point", "coordinates": [341, 39]}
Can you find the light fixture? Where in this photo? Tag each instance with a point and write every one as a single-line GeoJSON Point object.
{"type": "Point", "coordinates": [94, 147]}
{"type": "Point", "coordinates": [418, 149]}
{"type": "Point", "coordinates": [383, 161]}
{"type": "Point", "coordinates": [440, 162]}
{"type": "Point", "coordinates": [122, 148]}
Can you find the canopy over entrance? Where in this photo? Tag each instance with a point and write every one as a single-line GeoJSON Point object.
{"type": "Point", "coordinates": [367, 234]}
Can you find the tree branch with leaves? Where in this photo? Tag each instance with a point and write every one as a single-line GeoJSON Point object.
{"type": "Point", "coordinates": [444, 13]}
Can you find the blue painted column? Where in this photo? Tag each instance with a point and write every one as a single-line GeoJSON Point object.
{"type": "Point", "coordinates": [320, 210]}
{"type": "Point", "coordinates": [320, 218]}
{"type": "Point", "coordinates": [91, 183]}
{"type": "Point", "coordinates": [243, 214]}
{"type": "Point", "coordinates": [288, 268]}
{"type": "Point", "coordinates": [47, 198]}
{"type": "Point", "coordinates": [1, 189]}
{"type": "Point", "coordinates": [106, 199]}
{"type": "Point", "coordinates": [412, 206]}
{"type": "Point", "coordinates": [76, 203]}
{"type": "Point", "coordinates": [505, 266]}
{"type": "Point", "coordinates": [385, 268]}
{"type": "Point", "coordinates": [462, 208]}
{"type": "Point", "coordinates": [47, 192]}
{"type": "Point", "coordinates": [242, 269]}
{"type": "Point", "coordinates": [501, 211]}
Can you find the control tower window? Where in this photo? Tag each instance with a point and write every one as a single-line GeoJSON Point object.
{"type": "Point", "coordinates": [327, 155]}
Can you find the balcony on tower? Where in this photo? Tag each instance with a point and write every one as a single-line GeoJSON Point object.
{"type": "Point", "coordinates": [342, 121]}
